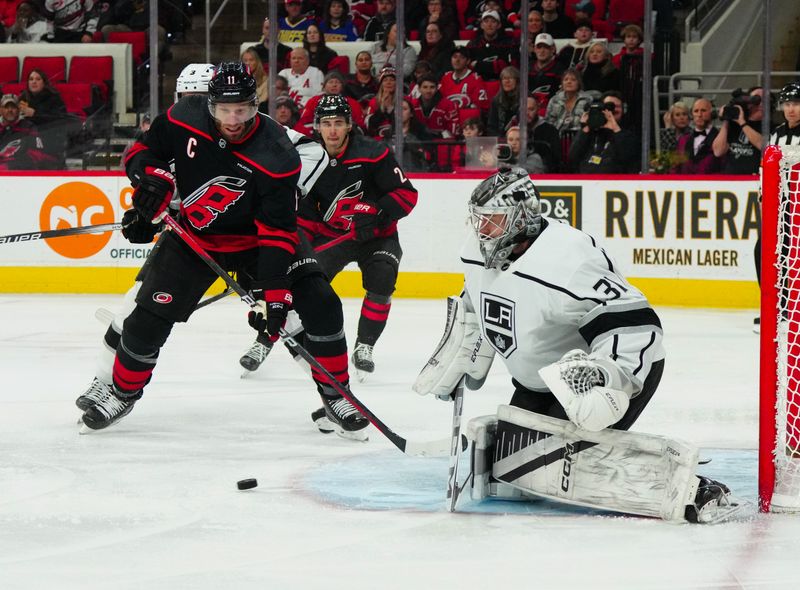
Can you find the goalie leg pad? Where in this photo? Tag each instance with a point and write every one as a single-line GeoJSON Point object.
{"type": "Point", "coordinates": [481, 432]}
{"type": "Point", "coordinates": [632, 473]}
{"type": "Point", "coordinates": [461, 350]}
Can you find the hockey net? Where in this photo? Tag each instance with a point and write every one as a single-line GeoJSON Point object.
{"type": "Point", "coordinates": [779, 446]}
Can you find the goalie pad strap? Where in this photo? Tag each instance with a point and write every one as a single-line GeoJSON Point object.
{"type": "Point", "coordinates": [633, 473]}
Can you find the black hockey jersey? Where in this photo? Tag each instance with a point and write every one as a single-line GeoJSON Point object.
{"type": "Point", "coordinates": [365, 171]}
{"type": "Point", "coordinates": [234, 195]}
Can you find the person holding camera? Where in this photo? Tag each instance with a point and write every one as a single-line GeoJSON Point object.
{"type": "Point", "coordinates": [740, 136]}
{"type": "Point", "coordinates": [603, 146]}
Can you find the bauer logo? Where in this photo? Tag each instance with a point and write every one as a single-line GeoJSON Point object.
{"type": "Point", "coordinates": [161, 297]}
{"type": "Point", "coordinates": [562, 203]}
{"type": "Point", "coordinates": [76, 204]}
{"type": "Point", "coordinates": [498, 322]}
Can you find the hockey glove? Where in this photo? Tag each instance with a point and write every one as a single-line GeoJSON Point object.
{"type": "Point", "coordinates": [594, 392]}
{"type": "Point", "coordinates": [137, 230]}
{"type": "Point", "coordinates": [270, 316]}
{"type": "Point", "coordinates": [153, 194]}
{"type": "Point", "coordinates": [365, 221]}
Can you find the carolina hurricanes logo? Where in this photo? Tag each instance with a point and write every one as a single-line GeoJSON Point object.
{"type": "Point", "coordinates": [161, 297]}
{"type": "Point", "coordinates": [11, 148]}
{"type": "Point", "coordinates": [344, 206]}
{"type": "Point", "coordinates": [214, 197]}
{"type": "Point", "coordinates": [461, 100]}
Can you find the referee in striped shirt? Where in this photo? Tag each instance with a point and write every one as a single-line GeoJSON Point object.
{"type": "Point", "coordinates": [788, 133]}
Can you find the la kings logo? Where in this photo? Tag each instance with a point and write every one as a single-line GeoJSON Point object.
{"type": "Point", "coordinates": [498, 323]}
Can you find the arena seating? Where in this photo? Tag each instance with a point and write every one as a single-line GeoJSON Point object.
{"type": "Point", "coordinates": [54, 66]}
{"type": "Point", "coordinates": [9, 69]}
{"type": "Point", "coordinates": [94, 70]}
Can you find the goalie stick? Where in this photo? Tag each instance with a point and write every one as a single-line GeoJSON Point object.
{"type": "Point", "coordinates": [453, 490]}
{"type": "Point", "coordinates": [59, 233]}
{"type": "Point", "coordinates": [423, 449]}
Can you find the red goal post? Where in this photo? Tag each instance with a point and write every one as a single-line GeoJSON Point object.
{"type": "Point", "coordinates": [779, 421]}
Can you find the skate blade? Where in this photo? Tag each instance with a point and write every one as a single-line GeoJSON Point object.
{"type": "Point", "coordinates": [717, 514]}
{"type": "Point", "coordinates": [324, 425]}
{"type": "Point", "coordinates": [356, 435]}
{"type": "Point", "coordinates": [361, 376]}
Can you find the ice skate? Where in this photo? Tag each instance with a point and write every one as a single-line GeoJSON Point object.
{"type": "Point", "coordinates": [320, 418]}
{"type": "Point", "coordinates": [362, 361]}
{"type": "Point", "coordinates": [254, 357]}
{"type": "Point", "coordinates": [345, 419]}
{"type": "Point", "coordinates": [713, 503]}
{"type": "Point", "coordinates": [95, 392]}
{"type": "Point", "coordinates": [108, 410]}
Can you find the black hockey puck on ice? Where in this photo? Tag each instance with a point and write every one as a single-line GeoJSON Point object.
{"type": "Point", "coordinates": [246, 484]}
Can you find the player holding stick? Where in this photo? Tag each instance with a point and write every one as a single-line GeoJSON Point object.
{"type": "Point", "coordinates": [365, 192]}
{"type": "Point", "coordinates": [237, 171]}
{"type": "Point", "coordinates": [584, 350]}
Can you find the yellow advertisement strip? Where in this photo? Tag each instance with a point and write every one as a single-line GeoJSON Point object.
{"type": "Point", "coordinates": [676, 292]}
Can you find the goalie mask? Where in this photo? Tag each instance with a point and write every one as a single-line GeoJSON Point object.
{"type": "Point", "coordinates": [504, 211]}
{"type": "Point", "coordinates": [193, 79]}
{"type": "Point", "coordinates": [232, 99]}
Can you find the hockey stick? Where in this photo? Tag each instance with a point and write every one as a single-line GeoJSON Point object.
{"type": "Point", "coordinates": [334, 242]}
{"type": "Point", "coordinates": [429, 449]}
{"type": "Point", "coordinates": [453, 490]}
{"type": "Point", "coordinates": [59, 233]}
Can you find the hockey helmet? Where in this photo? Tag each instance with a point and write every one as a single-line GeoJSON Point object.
{"type": "Point", "coordinates": [232, 84]}
{"type": "Point", "coordinates": [504, 211]}
{"type": "Point", "coordinates": [194, 79]}
{"type": "Point", "coordinates": [790, 93]}
{"type": "Point", "coordinates": [332, 105]}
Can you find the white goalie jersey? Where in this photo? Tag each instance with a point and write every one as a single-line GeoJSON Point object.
{"type": "Point", "coordinates": [563, 293]}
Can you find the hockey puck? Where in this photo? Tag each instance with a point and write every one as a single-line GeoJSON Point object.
{"type": "Point", "coordinates": [246, 484]}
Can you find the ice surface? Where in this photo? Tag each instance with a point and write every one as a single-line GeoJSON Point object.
{"type": "Point", "coordinates": [152, 503]}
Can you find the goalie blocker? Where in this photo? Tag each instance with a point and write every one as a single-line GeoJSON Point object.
{"type": "Point", "coordinates": [520, 454]}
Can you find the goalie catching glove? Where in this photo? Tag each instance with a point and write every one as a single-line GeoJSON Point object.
{"type": "Point", "coordinates": [272, 307]}
{"type": "Point", "coordinates": [462, 351]}
{"type": "Point", "coordinates": [594, 392]}
{"type": "Point", "coordinates": [154, 190]}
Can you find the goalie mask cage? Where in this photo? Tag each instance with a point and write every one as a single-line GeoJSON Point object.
{"type": "Point", "coordinates": [779, 437]}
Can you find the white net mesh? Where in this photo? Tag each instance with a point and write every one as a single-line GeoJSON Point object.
{"type": "Point", "coordinates": [786, 495]}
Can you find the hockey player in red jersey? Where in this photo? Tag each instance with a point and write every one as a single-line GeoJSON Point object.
{"type": "Point", "coordinates": [237, 171]}
{"type": "Point", "coordinates": [364, 192]}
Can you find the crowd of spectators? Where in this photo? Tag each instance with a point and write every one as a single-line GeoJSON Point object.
{"type": "Point", "coordinates": [465, 67]}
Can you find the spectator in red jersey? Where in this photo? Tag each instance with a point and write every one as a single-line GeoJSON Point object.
{"type": "Point", "coordinates": [21, 147]}
{"type": "Point", "coordinates": [545, 70]}
{"type": "Point", "coordinates": [334, 84]}
{"type": "Point", "coordinates": [422, 68]}
{"type": "Point", "coordinates": [632, 38]}
{"type": "Point", "coordinates": [380, 112]}
{"type": "Point", "coordinates": [337, 25]}
{"type": "Point", "coordinates": [436, 50]}
{"type": "Point", "coordinates": [441, 13]}
{"type": "Point", "coordinates": [492, 50]}
{"type": "Point", "coordinates": [361, 85]}
{"type": "Point", "coordinates": [599, 72]}
{"type": "Point", "coordinates": [319, 54]}
{"type": "Point", "coordinates": [505, 106]}
{"type": "Point", "coordinates": [463, 86]}
{"type": "Point", "coordinates": [436, 113]}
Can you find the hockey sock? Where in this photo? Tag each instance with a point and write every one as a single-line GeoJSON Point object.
{"type": "Point", "coordinates": [374, 314]}
{"type": "Point", "coordinates": [137, 353]}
